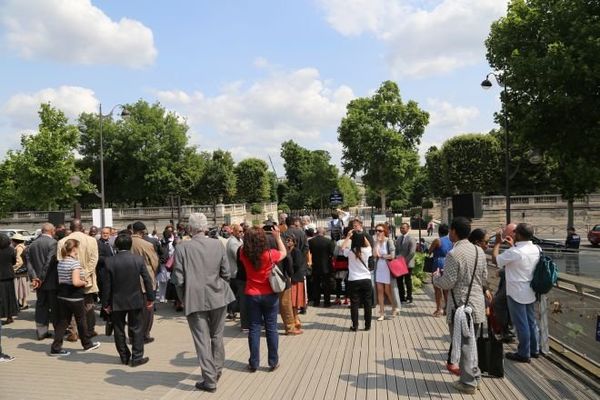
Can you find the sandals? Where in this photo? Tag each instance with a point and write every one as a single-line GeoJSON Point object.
{"type": "Point", "coordinates": [437, 313]}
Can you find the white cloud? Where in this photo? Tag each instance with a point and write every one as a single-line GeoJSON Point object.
{"type": "Point", "coordinates": [444, 115]}
{"type": "Point", "coordinates": [74, 31]}
{"type": "Point", "coordinates": [255, 118]}
{"type": "Point", "coordinates": [21, 109]}
{"type": "Point", "coordinates": [423, 40]}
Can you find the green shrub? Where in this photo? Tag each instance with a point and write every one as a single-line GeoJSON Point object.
{"type": "Point", "coordinates": [256, 209]}
{"type": "Point", "coordinates": [418, 275]}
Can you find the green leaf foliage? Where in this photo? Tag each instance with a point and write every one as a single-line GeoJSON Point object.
{"type": "Point", "coordinates": [45, 164]}
{"type": "Point", "coordinates": [253, 181]}
{"type": "Point", "coordinates": [471, 163]}
{"type": "Point", "coordinates": [549, 55]}
{"type": "Point", "coordinates": [379, 135]}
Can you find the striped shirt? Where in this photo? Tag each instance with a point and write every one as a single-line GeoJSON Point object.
{"type": "Point", "coordinates": [66, 290]}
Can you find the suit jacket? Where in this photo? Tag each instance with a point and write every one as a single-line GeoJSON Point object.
{"type": "Point", "coordinates": [121, 287]}
{"type": "Point", "coordinates": [105, 249]}
{"type": "Point", "coordinates": [321, 249]}
{"type": "Point", "coordinates": [39, 257]}
{"type": "Point", "coordinates": [458, 269]}
{"type": "Point", "coordinates": [146, 249]}
{"type": "Point", "coordinates": [406, 246]}
{"type": "Point", "coordinates": [201, 273]}
{"type": "Point", "coordinates": [88, 258]}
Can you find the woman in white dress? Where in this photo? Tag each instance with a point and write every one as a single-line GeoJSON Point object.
{"type": "Point", "coordinates": [384, 251]}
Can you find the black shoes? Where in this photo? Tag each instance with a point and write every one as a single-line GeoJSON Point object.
{"type": "Point", "coordinates": [46, 335]}
{"type": "Point", "coordinates": [148, 340]}
{"type": "Point", "coordinates": [271, 369]}
{"type": "Point", "coordinates": [125, 360]}
{"type": "Point", "coordinates": [518, 358]}
{"type": "Point", "coordinates": [141, 361]}
{"type": "Point", "coordinates": [59, 353]}
{"type": "Point", "coordinates": [202, 386]}
{"type": "Point", "coordinates": [250, 368]}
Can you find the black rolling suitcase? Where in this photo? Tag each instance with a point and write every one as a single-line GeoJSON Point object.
{"type": "Point", "coordinates": [490, 353]}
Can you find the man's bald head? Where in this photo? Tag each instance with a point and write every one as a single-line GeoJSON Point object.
{"type": "Point", "coordinates": [320, 231]}
{"type": "Point", "coordinates": [509, 230]}
{"type": "Point", "coordinates": [76, 226]}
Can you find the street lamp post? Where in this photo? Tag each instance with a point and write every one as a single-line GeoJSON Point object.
{"type": "Point", "coordinates": [486, 84]}
{"type": "Point", "coordinates": [124, 113]}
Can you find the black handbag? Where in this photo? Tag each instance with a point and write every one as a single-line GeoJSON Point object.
{"type": "Point", "coordinates": [22, 270]}
{"type": "Point", "coordinates": [429, 266]}
{"type": "Point", "coordinates": [490, 353]}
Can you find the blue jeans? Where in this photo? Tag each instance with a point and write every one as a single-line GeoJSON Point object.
{"type": "Point", "coordinates": [263, 308]}
{"type": "Point", "coordinates": [523, 319]}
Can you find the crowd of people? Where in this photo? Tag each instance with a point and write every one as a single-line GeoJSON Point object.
{"type": "Point", "coordinates": [226, 274]}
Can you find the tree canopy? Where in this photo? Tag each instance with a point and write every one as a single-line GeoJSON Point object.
{"type": "Point", "coordinates": [548, 53]}
{"type": "Point", "coordinates": [39, 174]}
{"type": "Point", "coordinates": [380, 135]}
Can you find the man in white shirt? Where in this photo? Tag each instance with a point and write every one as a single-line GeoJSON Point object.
{"type": "Point", "coordinates": [519, 263]}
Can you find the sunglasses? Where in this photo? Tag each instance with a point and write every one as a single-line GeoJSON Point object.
{"type": "Point", "coordinates": [379, 230]}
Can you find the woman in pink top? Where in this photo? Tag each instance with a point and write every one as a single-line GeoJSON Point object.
{"type": "Point", "coordinates": [262, 302]}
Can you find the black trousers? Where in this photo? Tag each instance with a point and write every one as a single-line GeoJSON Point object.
{"type": "Point", "coordinates": [66, 311]}
{"type": "Point", "coordinates": [146, 321]}
{"type": "Point", "coordinates": [405, 294]}
{"type": "Point", "coordinates": [360, 293]}
{"type": "Point", "coordinates": [90, 314]}
{"type": "Point", "coordinates": [322, 283]}
{"type": "Point", "coordinates": [46, 310]}
{"type": "Point", "coordinates": [136, 333]}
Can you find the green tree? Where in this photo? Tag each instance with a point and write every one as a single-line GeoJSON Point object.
{"type": "Point", "coordinates": [253, 184]}
{"type": "Point", "coordinates": [349, 189]}
{"type": "Point", "coordinates": [46, 162]}
{"type": "Point", "coordinates": [310, 176]}
{"type": "Point", "coordinates": [273, 187]}
{"type": "Point", "coordinates": [380, 135]}
{"type": "Point", "coordinates": [146, 156]}
{"type": "Point", "coordinates": [549, 55]}
{"type": "Point", "coordinates": [319, 179]}
{"type": "Point", "coordinates": [471, 163]}
{"type": "Point", "coordinates": [218, 182]}
{"type": "Point", "coordinates": [435, 173]}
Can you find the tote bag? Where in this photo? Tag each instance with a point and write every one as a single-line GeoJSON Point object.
{"type": "Point", "coordinates": [398, 267]}
{"type": "Point", "coordinates": [276, 277]}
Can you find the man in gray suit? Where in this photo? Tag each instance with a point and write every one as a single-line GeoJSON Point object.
{"type": "Point", "coordinates": [406, 246]}
{"type": "Point", "coordinates": [44, 279]}
{"type": "Point", "coordinates": [201, 276]}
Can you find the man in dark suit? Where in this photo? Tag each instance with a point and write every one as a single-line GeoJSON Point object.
{"type": "Point", "coordinates": [105, 250]}
{"type": "Point", "coordinates": [123, 297]}
{"type": "Point", "coordinates": [41, 267]}
{"type": "Point", "coordinates": [321, 249]}
{"type": "Point", "coordinates": [406, 246]}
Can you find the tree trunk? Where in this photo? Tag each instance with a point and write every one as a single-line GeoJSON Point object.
{"type": "Point", "coordinates": [570, 213]}
{"type": "Point", "coordinates": [383, 199]}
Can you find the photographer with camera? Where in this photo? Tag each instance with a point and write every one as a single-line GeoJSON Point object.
{"type": "Point", "coordinates": [357, 248]}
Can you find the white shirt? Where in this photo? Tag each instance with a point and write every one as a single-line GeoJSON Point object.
{"type": "Point", "coordinates": [358, 270]}
{"type": "Point", "coordinates": [519, 262]}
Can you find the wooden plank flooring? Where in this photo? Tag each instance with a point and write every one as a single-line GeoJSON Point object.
{"type": "Point", "coordinates": [400, 358]}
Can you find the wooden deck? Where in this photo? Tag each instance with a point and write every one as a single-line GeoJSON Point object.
{"type": "Point", "coordinates": [400, 358]}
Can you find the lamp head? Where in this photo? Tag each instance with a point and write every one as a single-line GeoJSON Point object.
{"type": "Point", "coordinates": [125, 113]}
{"type": "Point", "coordinates": [486, 84]}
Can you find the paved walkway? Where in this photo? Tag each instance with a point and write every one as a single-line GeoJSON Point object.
{"type": "Point", "coordinates": [400, 358]}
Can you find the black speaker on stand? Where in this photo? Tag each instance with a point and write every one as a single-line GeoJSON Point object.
{"type": "Point", "coordinates": [56, 218]}
{"type": "Point", "coordinates": [467, 205]}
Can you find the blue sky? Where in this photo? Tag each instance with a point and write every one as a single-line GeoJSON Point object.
{"type": "Point", "coordinates": [247, 75]}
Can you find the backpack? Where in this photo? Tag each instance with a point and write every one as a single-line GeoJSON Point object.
{"type": "Point", "coordinates": [545, 275]}
{"type": "Point", "coordinates": [336, 230]}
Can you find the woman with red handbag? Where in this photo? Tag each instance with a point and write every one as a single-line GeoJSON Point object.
{"type": "Point", "coordinates": [384, 252]}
